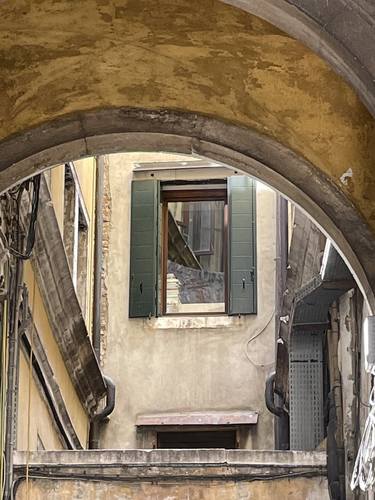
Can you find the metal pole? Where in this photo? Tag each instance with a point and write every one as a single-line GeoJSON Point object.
{"type": "Point", "coordinates": [98, 263]}
{"type": "Point", "coordinates": [13, 357]}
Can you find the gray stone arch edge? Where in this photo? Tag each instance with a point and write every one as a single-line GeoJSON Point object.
{"type": "Point", "coordinates": [133, 129]}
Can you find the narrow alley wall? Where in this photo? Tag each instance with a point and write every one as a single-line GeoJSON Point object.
{"type": "Point", "coordinates": [174, 364]}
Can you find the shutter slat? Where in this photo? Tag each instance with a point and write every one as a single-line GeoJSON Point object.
{"type": "Point", "coordinates": [242, 245]}
{"type": "Point", "coordinates": [143, 248]}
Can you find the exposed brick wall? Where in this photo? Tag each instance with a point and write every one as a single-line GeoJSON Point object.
{"type": "Point", "coordinates": [107, 211]}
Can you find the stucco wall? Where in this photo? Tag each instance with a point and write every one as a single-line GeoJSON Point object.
{"type": "Point", "coordinates": [198, 56]}
{"type": "Point", "coordinates": [173, 475]}
{"type": "Point", "coordinates": [291, 489]}
{"type": "Point", "coordinates": [39, 422]}
{"type": "Point", "coordinates": [85, 169]}
{"type": "Point", "coordinates": [76, 411]}
{"type": "Point", "coordinates": [173, 364]}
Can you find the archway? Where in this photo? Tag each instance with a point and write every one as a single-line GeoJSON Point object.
{"type": "Point", "coordinates": [220, 82]}
{"type": "Point", "coordinates": [128, 129]}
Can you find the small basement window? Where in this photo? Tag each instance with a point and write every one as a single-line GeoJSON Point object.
{"type": "Point", "coordinates": [197, 439]}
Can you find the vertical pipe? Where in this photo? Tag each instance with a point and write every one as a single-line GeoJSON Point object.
{"type": "Point", "coordinates": [335, 437]}
{"type": "Point", "coordinates": [13, 359]}
{"type": "Point", "coordinates": [3, 382]}
{"type": "Point", "coordinates": [98, 263]}
{"type": "Point", "coordinates": [281, 424]}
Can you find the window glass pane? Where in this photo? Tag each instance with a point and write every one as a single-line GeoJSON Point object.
{"type": "Point", "coordinates": [195, 272]}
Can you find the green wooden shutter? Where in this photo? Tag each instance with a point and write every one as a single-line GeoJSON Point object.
{"type": "Point", "coordinates": [242, 245]}
{"type": "Point", "coordinates": [144, 248]}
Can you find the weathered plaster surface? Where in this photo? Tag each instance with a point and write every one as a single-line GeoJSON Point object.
{"type": "Point", "coordinates": [62, 376]}
{"type": "Point", "coordinates": [174, 475]}
{"type": "Point", "coordinates": [291, 489]}
{"type": "Point", "coordinates": [207, 57]}
{"type": "Point", "coordinates": [340, 31]}
{"type": "Point", "coordinates": [189, 364]}
{"type": "Point", "coordinates": [41, 425]}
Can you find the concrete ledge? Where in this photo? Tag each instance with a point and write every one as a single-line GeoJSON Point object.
{"type": "Point", "coordinates": [57, 459]}
{"type": "Point", "coordinates": [150, 474]}
{"type": "Point", "coordinates": [201, 466]}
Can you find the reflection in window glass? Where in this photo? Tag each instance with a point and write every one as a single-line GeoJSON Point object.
{"type": "Point", "coordinates": [195, 281]}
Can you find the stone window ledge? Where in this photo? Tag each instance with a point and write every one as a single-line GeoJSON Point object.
{"type": "Point", "coordinates": [194, 322]}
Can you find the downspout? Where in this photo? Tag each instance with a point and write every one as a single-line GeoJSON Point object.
{"type": "Point", "coordinates": [281, 423]}
{"type": "Point", "coordinates": [335, 437]}
{"type": "Point", "coordinates": [98, 264]}
{"type": "Point", "coordinates": [277, 409]}
{"type": "Point", "coordinates": [12, 379]}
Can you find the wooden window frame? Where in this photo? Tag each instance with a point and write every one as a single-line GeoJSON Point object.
{"type": "Point", "coordinates": [199, 194]}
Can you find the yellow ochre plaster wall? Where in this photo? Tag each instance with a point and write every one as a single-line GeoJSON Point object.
{"type": "Point", "coordinates": [86, 169]}
{"type": "Point", "coordinates": [40, 422]}
{"type": "Point", "coordinates": [203, 56]}
{"type": "Point", "coordinates": [75, 409]}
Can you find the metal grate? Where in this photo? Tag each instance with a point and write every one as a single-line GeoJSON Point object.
{"type": "Point", "coordinates": [306, 390]}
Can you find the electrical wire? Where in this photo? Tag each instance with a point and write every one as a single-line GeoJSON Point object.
{"type": "Point", "coordinates": [99, 478]}
{"type": "Point", "coordinates": [30, 240]}
{"type": "Point", "coordinates": [14, 245]}
{"type": "Point", "coordinates": [255, 336]}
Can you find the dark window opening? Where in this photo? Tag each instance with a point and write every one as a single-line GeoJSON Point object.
{"type": "Point", "coordinates": [82, 254]}
{"type": "Point", "coordinates": [69, 215]}
{"type": "Point", "coordinates": [197, 439]}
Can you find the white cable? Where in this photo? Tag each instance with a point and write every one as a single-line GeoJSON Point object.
{"type": "Point", "coordinates": [256, 335]}
{"type": "Point", "coordinates": [363, 473]}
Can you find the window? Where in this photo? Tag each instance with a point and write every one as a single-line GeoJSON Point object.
{"type": "Point", "coordinates": [197, 439]}
{"type": "Point", "coordinates": [76, 233]}
{"type": "Point", "coordinates": [193, 247]}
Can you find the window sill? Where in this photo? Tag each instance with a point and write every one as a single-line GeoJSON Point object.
{"type": "Point", "coordinates": [193, 322]}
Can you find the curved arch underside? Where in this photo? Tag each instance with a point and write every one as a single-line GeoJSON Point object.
{"type": "Point", "coordinates": [340, 31]}
{"type": "Point", "coordinates": [132, 129]}
{"type": "Point", "coordinates": [61, 61]}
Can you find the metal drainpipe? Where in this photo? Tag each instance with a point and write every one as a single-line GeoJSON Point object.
{"type": "Point", "coordinates": [281, 424]}
{"type": "Point", "coordinates": [335, 437]}
{"type": "Point", "coordinates": [277, 408]}
{"type": "Point", "coordinates": [12, 383]}
{"type": "Point", "coordinates": [98, 262]}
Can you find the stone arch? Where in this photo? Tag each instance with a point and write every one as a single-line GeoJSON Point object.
{"type": "Point", "coordinates": [131, 129]}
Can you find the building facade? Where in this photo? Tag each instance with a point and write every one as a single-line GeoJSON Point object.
{"type": "Point", "coordinates": [194, 356]}
{"type": "Point", "coordinates": [53, 385]}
